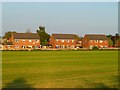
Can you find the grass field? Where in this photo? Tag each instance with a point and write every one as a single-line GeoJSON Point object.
{"type": "Point", "coordinates": [60, 69]}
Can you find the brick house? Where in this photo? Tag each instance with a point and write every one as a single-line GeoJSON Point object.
{"type": "Point", "coordinates": [63, 41]}
{"type": "Point", "coordinates": [8, 45]}
{"type": "Point", "coordinates": [25, 40]}
{"type": "Point", "coordinates": [118, 43]}
{"type": "Point", "coordinates": [91, 40]}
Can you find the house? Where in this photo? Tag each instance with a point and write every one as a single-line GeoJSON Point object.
{"type": "Point", "coordinates": [118, 43]}
{"type": "Point", "coordinates": [62, 41]}
{"type": "Point", "coordinates": [91, 40]}
{"type": "Point", "coordinates": [25, 40]}
{"type": "Point", "coordinates": [8, 45]}
{"type": "Point", "coordinates": [1, 46]}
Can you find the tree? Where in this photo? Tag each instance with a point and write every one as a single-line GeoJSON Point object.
{"type": "Point", "coordinates": [110, 42]}
{"type": "Point", "coordinates": [77, 37]}
{"type": "Point", "coordinates": [8, 34]}
{"type": "Point", "coordinates": [44, 37]}
{"type": "Point", "coordinates": [113, 40]}
{"type": "Point", "coordinates": [117, 36]}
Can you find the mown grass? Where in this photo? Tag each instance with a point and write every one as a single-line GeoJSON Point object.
{"type": "Point", "coordinates": [60, 69]}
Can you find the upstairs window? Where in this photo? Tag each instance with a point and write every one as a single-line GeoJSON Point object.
{"type": "Point", "coordinates": [91, 41]}
{"type": "Point", "coordinates": [23, 40]}
{"type": "Point", "coordinates": [30, 40]}
{"type": "Point", "coordinates": [101, 41]}
{"type": "Point", "coordinates": [73, 40]}
{"type": "Point", "coordinates": [96, 41]}
{"type": "Point", "coordinates": [56, 40]}
{"type": "Point", "coordinates": [16, 40]}
{"type": "Point", "coordinates": [62, 40]}
{"type": "Point", "coordinates": [67, 40]}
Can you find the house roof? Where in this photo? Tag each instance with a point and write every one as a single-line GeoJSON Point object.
{"type": "Point", "coordinates": [25, 36]}
{"type": "Point", "coordinates": [96, 36]}
{"type": "Point", "coordinates": [63, 36]}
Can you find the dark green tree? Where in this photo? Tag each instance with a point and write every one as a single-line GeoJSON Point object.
{"type": "Point", "coordinates": [115, 38]}
{"type": "Point", "coordinates": [110, 42]}
{"type": "Point", "coordinates": [8, 34]}
{"type": "Point", "coordinates": [44, 37]}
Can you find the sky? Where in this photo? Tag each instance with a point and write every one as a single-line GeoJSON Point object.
{"type": "Point", "coordinates": [61, 17]}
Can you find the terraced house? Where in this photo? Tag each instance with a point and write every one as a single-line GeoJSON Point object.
{"type": "Point", "coordinates": [25, 40]}
{"type": "Point", "coordinates": [91, 40]}
{"type": "Point", "coordinates": [63, 41]}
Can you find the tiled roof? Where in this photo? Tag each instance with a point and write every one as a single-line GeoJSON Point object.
{"type": "Point", "coordinates": [96, 36]}
{"type": "Point", "coordinates": [26, 36]}
{"type": "Point", "coordinates": [63, 36]}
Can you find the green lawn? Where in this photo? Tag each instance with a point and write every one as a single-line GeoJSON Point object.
{"type": "Point", "coordinates": [60, 69]}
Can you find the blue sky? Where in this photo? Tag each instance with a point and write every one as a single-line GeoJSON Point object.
{"type": "Point", "coordinates": [61, 17]}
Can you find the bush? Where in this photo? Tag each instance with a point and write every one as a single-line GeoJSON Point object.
{"type": "Point", "coordinates": [95, 48]}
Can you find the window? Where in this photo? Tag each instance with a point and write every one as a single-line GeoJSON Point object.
{"type": "Point", "coordinates": [80, 41]}
{"type": "Point", "coordinates": [101, 41]}
{"type": "Point", "coordinates": [91, 46]}
{"type": "Point", "coordinates": [56, 46]}
{"type": "Point", "coordinates": [101, 46]}
{"type": "Point", "coordinates": [62, 40]}
{"type": "Point", "coordinates": [16, 40]}
{"type": "Point", "coordinates": [96, 41]}
{"type": "Point", "coordinates": [67, 40]}
{"type": "Point", "coordinates": [23, 40]}
{"type": "Point", "coordinates": [56, 40]}
{"type": "Point", "coordinates": [23, 46]}
{"type": "Point", "coordinates": [16, 46]}
{"type": "Point", "coordinates": [72, 40]}
{"type": "Point", "coordinates": [30, 40]}
{"type": "Point", "coordinates": [62, 46]}
{"type": "Point", "coordinates": [91, 41]}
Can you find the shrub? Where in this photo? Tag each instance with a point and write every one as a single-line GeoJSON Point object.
{"type": "Point", "coordinates": [95, 48]}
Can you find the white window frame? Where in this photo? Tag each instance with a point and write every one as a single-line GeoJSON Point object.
{"type": "Point", "coordinates": [56, 40]}
{"type": "Point", "coordinates": [101, 41]}
{"type": "Point", "coordinates": [73, 40]}
{"type": "Point", "coordinates": [16, 40]}
{"type": "Point", "coordinates": [62, 40]}
{"type": "Point", "coordinates": [30, 40]}
{"type": "Point", "coordinates": [23, 40]}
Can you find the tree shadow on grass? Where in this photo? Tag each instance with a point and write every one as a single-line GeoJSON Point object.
{"type": "Point", "coordinates": [18, 83]}
{"type": "Point", "coordinates": [114, 79]}
{"type": "Point", "coordinates": [101, 85]}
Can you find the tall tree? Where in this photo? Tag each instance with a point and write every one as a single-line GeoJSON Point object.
{"type": "Point", "coordinates": [44, 37]}
{"type": "Point", "coordinates": [117, 36]}
{"type": "Point", "coordinates": [77, 37]}
{"type": "Point", "coordinates": [110, 42]}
